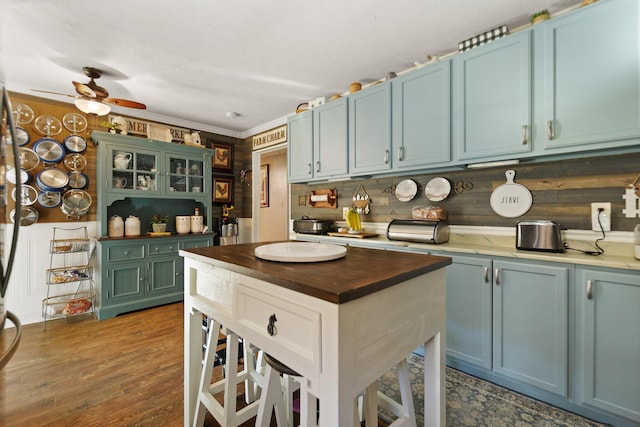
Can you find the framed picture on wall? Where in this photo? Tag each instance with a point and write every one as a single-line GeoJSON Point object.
{"type": "Point", "coordinates": [264, 186]}
{"type": "Point", "coordinates": [223, 157]}
{"type": "Point", "coordinates": [222, 189]}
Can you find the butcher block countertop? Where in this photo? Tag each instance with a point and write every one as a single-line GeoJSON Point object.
{"type": "Point", "coordinates": [361, 272]}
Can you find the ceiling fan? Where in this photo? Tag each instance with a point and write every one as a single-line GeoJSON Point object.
{"type": "Point", "coordinates": [94, 99]}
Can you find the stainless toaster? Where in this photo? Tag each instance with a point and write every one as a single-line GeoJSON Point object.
{"type": "Point", "coordinates": [539, 235]}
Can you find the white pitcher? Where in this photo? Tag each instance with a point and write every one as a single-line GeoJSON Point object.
{"type": "Point", "coordinates": [121, 160]}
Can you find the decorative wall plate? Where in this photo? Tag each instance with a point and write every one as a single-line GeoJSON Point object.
{"type": "Point", "coordinates": [406, 190]}
{"type": "Point", "coordinates": [437, 189]}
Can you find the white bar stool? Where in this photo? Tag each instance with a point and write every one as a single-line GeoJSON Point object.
{"type": "Point", "coordinates": [227, 414]}
{"type": "Point", "coordinates": [404, 409]}
{"type": "Point", "coordinates": [273, 397]}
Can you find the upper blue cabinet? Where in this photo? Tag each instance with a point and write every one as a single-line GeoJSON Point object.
{"type": "Point", "coordinates": [590, 77]}
{"type": "Point", "coordinates": [422, 118]}
{"type": "Point", "coordinates": [370, 130]}
{"type": "Point", "coordinates": [492, 99]}
{"type": "Point", "coordinates": [330, 140]}
{"type": "Point", "coordinates": [300, 147]}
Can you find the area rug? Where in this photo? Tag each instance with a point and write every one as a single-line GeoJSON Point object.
{"type": "Point", "coordinates": [474, 402]}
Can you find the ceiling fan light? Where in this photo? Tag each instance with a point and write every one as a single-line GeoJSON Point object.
{"type": "Point", "coordinates": [89, 106]}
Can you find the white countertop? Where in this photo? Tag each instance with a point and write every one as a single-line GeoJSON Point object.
{"type": "Point", "coordinates": [474, 240]}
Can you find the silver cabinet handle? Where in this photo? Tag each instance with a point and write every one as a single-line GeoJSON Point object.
{"type": "Point", "coordinates": [318, 166]}
{"type": "Point", "coordinates": [486, 275]}
{"type": "Point", "coordinates": [524, 134]}
{"type": "Point", "coordinates": [308, 168]}
{"type": "Point", "coordinates": [550, 134]}
{"type": "Point", "coordinates": [589, 289]}
{"type": "Point", "coordinates": [400, 154]}
{"type": "Point", "coordinates": [386, 156]}
{"type": "Point", "coordinates": [497, 278]}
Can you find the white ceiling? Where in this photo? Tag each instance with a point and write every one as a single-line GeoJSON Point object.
{"type": "Point", "coordinates": [192, 61]}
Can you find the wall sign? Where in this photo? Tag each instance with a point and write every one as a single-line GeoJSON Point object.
{"type": "Point", "coordinates": [139, 127]}
{"type": "Point", "coordinates": [269, 138]}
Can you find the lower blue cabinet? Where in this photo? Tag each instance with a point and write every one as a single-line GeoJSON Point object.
{"type": "Point", "coordinates": [608, 341]}
{"type": "Point", "coordinates": [531, 324]}
{"type": "Point", "coordinates": [134, 274]}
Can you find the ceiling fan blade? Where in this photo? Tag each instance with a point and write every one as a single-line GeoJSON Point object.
{"type": "Point", "coordinates": [55, 93]}
{"type": "Point", "coordinates": [84, 90]}
{"type": "Point", "coordinates": [124, 103]}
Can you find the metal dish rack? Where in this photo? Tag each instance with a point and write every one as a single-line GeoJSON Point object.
{"type": "Point", "coordinates": [70, 284]}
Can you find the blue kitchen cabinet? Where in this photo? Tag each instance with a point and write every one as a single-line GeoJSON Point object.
{"type": "Point", "coordinates": [330, 136]}
{"type": "Point", "coordinates": [421, 108]}
{"type": "Point", "coordinates": [492, 100]}
{"type": "Point", "coordinates": [300, 147]}
{"type": "Point", "coordinates": [590, 78]}
{"type": "Point", "coordinates": [608, 341]}
{"type": "Point", "coordinates": [469, 314]}
{"type": "Point", "coordinates": [137, 273]}
{"type": "Point", "coordinates": [370, 130]}
{"type": "Point", "coordinates": [531, 324]}
{"type": "Point", "coordinates": [318, 147]}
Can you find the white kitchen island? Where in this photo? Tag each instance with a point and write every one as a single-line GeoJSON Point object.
{"type": "Point", "coordinates": [341, 324]}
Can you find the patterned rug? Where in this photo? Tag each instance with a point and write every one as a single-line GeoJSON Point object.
{"type": "Point", "coordinates": [477, 403]}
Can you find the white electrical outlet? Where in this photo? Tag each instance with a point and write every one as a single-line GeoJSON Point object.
{"type": "Point", "coordinates": [604, 217]}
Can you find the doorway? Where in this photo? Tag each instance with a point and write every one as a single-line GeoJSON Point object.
{"type": "Point", "coordinates": [270, 195]}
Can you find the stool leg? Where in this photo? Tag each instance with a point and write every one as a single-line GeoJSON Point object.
{"type": "Point", "coordinates": [370, 405]}
{"type": "Point", "coordinates": [207, 368]}
{"type": "Point", "coordinates": [271, 399]}
{"type": "Point", "coordinates": [308, 406]}
{"type": "Point", "coordinates": [405, 392]}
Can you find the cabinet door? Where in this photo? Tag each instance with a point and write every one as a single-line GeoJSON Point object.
{"type": "Point", "coordinates": [591, 75]}
{"type": "Point", "coordinates": [422, 117]}
{"type": "Point", "coordinates": [330, 139]}
{"type": "Point", "coordinates": [132, 171]}
{"type": "Point", "coordinates": [185, 175]}
{"type": "Point", "coordinates": [370, 130]}
{"type": "Point", "coordinates": [469, 310]}
{"type": "Point", "coordinates": [493, 99]}
{"type": "Point", "coordinates": [530, 324]}
{"type": "Point", "coordinates": [165, 275]}
{"type": "Point", "coordinates": [122, 282]}
{"type": "Point", "coordinates": [608, 341]}
{"type": "Point", "coordinates": [300, 147]}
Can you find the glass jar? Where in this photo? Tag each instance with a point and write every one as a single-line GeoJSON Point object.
{"type": "Point", "coordinates": [636, 241]}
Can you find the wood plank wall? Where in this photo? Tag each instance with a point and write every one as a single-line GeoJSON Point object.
{"type": "Point", "coordinates": [42, 106]}
{"type": "Point", "coordinates": [562, 191]}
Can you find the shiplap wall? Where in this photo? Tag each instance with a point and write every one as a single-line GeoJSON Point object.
{"type": "Point", "coordinates": [562, 191]}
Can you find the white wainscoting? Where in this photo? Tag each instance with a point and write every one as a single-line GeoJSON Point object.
{"type": "Point", "coordinates": [28, 285]}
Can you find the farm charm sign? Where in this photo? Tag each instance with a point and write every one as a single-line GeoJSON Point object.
{"type": "Point", "coordinates": [270, 138]}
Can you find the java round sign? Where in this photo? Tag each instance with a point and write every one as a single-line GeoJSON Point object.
{"type": "Point", "coordinates": [511, 200]}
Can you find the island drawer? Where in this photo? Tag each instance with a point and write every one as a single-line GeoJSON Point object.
{"type": "Point", "coordinates": [293, 329]}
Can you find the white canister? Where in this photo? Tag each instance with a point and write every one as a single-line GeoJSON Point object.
{"type": "Point", "coordinates": [196, 223]}
{"type": "Point", "coordinates": [132, 226]}
{"type": "Point", "coordinates": [183, 224]}
{"type": "Point", "coordinates": [115, 227]}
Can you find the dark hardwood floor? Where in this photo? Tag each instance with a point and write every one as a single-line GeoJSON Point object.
{"type": "Point", "coordinates": [125, 371]}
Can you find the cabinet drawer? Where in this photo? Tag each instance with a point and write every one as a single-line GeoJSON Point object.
{"type": "Point", "coordinates": [163, 248]}
{"type": "Point", "coordinates": [196, 243]}
{"type": "Point", "coordinates": [296, 332]}
{"type": "Point", "coordinates": [124, 253]}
